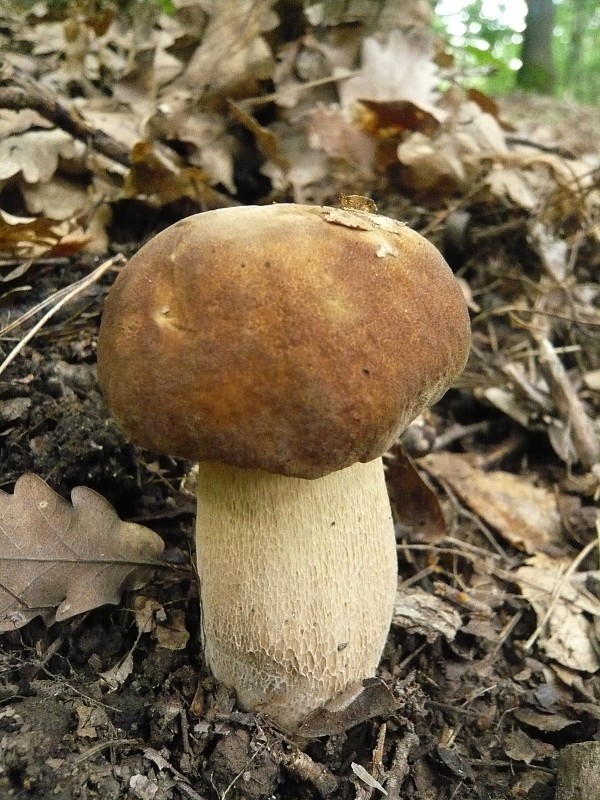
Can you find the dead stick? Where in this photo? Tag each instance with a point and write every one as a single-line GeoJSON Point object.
{"type": "Point", "coordinates": [18, 92]}
{"type": "Point", "coordinates": [569, 406]}
{"type": "Point", "coordinates": [302, 766]}
{"type": "Point", "coordinates": [400, 767]}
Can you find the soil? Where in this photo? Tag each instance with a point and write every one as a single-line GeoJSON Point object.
{"type": "Point", "coordinates": [439, 721]}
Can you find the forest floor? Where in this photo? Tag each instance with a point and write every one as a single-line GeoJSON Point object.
{"type": "Point", "coordinates": [491, 666]}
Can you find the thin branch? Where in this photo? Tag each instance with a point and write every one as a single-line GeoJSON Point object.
{"type": "Point", "coordinates": [75, 289]}
{"type": "Point", "coordinates": [18, 92]}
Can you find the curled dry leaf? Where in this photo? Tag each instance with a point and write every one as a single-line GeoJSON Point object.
{"type": "Point", "coordinates": [415, 504]}
{"type": "Point", "coordinates": [72, 558]}
{"type": "Point", "coordinates": [34, 154]}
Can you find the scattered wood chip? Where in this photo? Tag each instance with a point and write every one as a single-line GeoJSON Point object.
{"type": "Point", "coordinates": [418, 611]}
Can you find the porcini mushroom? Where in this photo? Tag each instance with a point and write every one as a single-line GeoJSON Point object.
{"type": "Point", "coordinates": [284, 348]}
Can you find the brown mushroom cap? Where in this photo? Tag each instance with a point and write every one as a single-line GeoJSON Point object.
{"type": "Point", "coordinates": [295, 339]}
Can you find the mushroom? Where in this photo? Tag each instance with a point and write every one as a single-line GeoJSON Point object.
{"type": "Point", "coordinates": [284, 348]}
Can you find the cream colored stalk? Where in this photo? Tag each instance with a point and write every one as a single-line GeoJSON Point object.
{"type": "Point", "coordinates": [297, 583]}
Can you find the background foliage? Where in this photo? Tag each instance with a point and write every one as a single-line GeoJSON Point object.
{"type": "Point", "coordinates": [487, 39]}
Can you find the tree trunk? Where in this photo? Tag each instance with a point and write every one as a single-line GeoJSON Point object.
{"type": "Point", "coordinates": [581, 18]}
{"type": "Point", "coordinates": [537, 72]}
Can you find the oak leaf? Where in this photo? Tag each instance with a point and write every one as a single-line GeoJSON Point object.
{"type": "Point", "coordinates": [58, 560]}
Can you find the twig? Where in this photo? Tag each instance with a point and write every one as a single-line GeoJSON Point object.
{"type": "Point", "coordinates": [302, 766]}
{"type": "Point", "coordinates": [18, 92]}
{"type": "Point", "coordinates": [97, 748]}
{"type": "Point", "coordinates": [33, 311]}
{"type": "Point", "coordinates": [261, 100]}
{"type": "Point", "coordinates": [569, 406]}
{"type": "Point", "coordinates": [400, 767]}
{"type": "Point", "coordinates": [562, 152]}
{"type": "Point", "coordinates": [75, 289]}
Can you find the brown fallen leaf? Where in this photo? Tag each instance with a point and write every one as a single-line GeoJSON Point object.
{"type": "Point", "coordinates": [360, 702]}
{"type": "Point", "coordinates": [72, 558]}
{"type": "Point", "coordinates": [521, 747]}
{"type": "Point", "coordinates": [31, 237]}
{"type": "Point", "coordinates": [524, 514]}
{"type": "Point", "coordinates": [414, 502]}
{"type": "Point", "coordinates": [387, 116]}
{"type": "Point", "coordinates": [234, 50]}
{"type": "Point", "coordinates": [549, 723]}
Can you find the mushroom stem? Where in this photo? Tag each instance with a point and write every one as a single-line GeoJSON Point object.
{"type": "Point", "coordinates": [297, 583]}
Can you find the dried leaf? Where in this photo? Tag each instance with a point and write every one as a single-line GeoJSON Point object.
{"type": "Point", "coordinates": [160, 181]}
{"type": "Point", "coordinates": [72, 558]}
{"type": "Point", "coordinates": [30, 237]}
{"type": "Point", "coordinates": [434, 163]}
{"type": "Point", "coordinates": [330, 130]}
{"type": "Point", "coordinates": [549, 723]}
{"type": "Point", "coordinates": [387, 14]}
{"type": "Point", "coordinates": [371, 698]}
{"type": "Point", "coordinates": [505, 182]}
{"type": "Point", "coordinates": [399, 68]}
{"type": "Point", "coordinates": [454, 762]}
{"type": "Point", "coordinates": [172, 635]}
{"type": "Point", "coordinates": [415, 503]}
{"type": "Point", "coordinates": [233, 48]}
{"type": "Point", "coordinates": [34, 154]}
{"type": "Point", "coordinates": [510, 404]}
{"type": "Point", "coordinates": [116, 676]}
{"type": "Point", "coordinates": [524, 514]}
{"type": "Point", "coordinates": [521, 747]}
{"type": "Point", "coordinates": [89, 719]}
{"type": "Point", "coordinates": [592, 380]}
{"type": "Point", "coordinates": [398, 116]}
{"type": "Point", "coordinates": [484, 101]}
{"type": "Point", "coordinates": [267, 141]}
{"type": "Point", "coordinates": [552, 250]}
{"type": "Point", "coordinates": [568, 635]}
{"type": "Point", "coordinates": [59, 199]}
